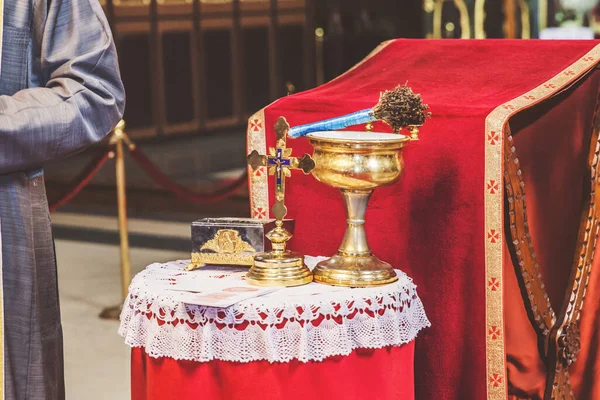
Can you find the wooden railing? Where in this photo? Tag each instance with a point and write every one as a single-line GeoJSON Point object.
{"type": "Point", "coordinates": [191, 66]}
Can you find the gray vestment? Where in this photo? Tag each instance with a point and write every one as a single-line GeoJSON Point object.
{"type": "Point", "coordinates": [60, 92]}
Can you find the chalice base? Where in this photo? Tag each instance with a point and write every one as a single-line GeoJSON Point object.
{"type": "Point", "coordinates": [354, 271]}
{"type": "Point", "coordinates": [279, 270]}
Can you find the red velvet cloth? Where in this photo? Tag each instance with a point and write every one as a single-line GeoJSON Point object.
{"type": "Point", "coordinates": [431, 223]}
{"type": "Point", "coordinates": [364, 374]}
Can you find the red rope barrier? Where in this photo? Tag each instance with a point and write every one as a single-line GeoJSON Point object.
{"type": "Point", "coordinates": [81, 181]}
{"type": "Point", "coordinates": [181, 191]}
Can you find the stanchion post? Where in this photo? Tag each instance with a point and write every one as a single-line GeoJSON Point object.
{"type": "Point", "coordinates": [320, 64]}
{"type": "Point", "coordinates": [118, 139]}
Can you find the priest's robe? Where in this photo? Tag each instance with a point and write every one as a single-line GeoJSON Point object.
{"type": "Point", "coordinates": [443, 222]}
{"type": "Point", "coordinates": [60, 92]}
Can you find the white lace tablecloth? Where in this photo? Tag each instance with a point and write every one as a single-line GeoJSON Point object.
{"type": "Point", "coordinates": [306, 323]}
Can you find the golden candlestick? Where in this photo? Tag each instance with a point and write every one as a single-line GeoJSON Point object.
{"type": "Point", "coordinates": [279, 267]}
{"type": "Point", "coordinates": [356, 163]}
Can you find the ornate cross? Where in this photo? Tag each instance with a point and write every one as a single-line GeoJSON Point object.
{"type": "Point", "coordinates": [280, 162]}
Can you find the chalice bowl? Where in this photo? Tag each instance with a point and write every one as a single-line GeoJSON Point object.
{"type": "Point", "coordinates": [356, 163]}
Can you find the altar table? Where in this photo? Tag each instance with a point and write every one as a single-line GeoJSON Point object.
{"type": "Point", "coordinates": [445, 222]}
{"type": "Point", "coordinates": [309, 342]}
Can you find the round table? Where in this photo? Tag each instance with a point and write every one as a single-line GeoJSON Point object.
{"type": "Point", "coordinates": [312, 341]}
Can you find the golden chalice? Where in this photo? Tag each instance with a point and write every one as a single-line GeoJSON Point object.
{"type": "Point", "coordinates": [356, 163]}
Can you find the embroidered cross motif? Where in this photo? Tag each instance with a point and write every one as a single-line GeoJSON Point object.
{"type": "Point", "coordinates": [569, 73]}
{"type": "Point", "coordinates": [494, 284]}
{"type": "Point", "coordinates": [508, 107]}
{"type": "Point", "coordinates": [258, 172]}
{"type": "Point", "coordinates": [493, 236]}
{"type": "Point", "coordinates": [493, 186]}
{"type": "Point", "coordinates": [492, 138]}
{"type": "Point", "coordinates": [550, 86]}
{"type": "Point", "coordinates": [495, 380]}
{"type": "Point", "coordinates": [529, 97]}
{"type": "Point", "coordinates": [494, 332]}
{"type": "Point", "coordinates": [255, 125]}
{"type": "Point", "coordinates": [260, 213]}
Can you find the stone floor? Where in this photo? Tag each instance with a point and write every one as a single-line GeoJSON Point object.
{"type": "Point", "coordinates": [96, 358]}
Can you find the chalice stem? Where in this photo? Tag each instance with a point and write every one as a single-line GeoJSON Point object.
{"type": "Point", "coordinates": [355, 239]}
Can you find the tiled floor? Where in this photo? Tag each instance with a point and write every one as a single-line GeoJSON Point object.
{"type": "Point", "coordinates": [96, 358]}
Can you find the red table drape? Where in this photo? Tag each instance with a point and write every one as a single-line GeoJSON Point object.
{"type": "Point", "coordinates": [442, 223]}
{"type": "Point", "coordinates": [364, 374]}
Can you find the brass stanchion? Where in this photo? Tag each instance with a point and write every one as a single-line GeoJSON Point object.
{"type": "Point", "coordinates": [118, 138]}
{"type": "Point", "coordinates": [319, 38]}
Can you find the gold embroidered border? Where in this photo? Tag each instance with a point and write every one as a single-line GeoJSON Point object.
{"type": "Point", "coordinates": [493, 203]}
{"type": "Point", "coordinates": [256, 139]}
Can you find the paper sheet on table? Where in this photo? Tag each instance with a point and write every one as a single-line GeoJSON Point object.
{"type": "Point", "coordinates": [215, 292]}
{"type": "Point", "coordinates": [219, 286]}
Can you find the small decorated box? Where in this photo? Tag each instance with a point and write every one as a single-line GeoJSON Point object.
{"type": "Point", "coordinates": [231, 241]}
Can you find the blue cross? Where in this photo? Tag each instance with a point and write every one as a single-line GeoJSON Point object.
{"type": "Point", "coordinates": [279, 162]}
